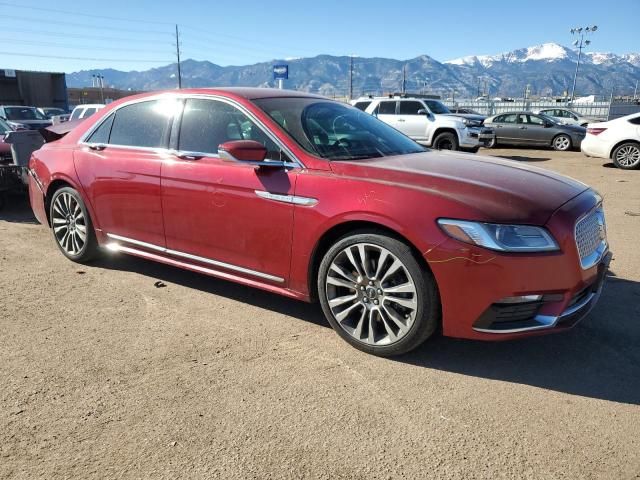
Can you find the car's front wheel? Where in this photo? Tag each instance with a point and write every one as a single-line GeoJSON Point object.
{"type": "Point", "coordinates": [376, 295]}
{"type": "Point", "coordinates": [627, 156]}
{"type": "Point", "coordinates": [561, 143]}
{"type": "Point", "coordinates": [446, 141]}
{"type": "Point", "coordinates": [71, 226]}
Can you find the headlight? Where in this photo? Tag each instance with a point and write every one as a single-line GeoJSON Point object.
{"type": "Point", "coordinates": [504, 238]}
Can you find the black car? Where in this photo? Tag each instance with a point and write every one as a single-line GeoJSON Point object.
{"type": "Point", "coordinates": [24, 117]}
{"type": "Point", "coordinates": [535, 130]}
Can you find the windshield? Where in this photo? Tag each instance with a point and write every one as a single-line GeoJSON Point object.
{"type": "Point", "coordinates": [548, 118]}
{"type": "Point", "coordinates": [437, 107]}
{"type": "Point", "coordinates": [23, 113]}
{"type": "Point", "coordinates": [336, 131]}
{"type": "Point", "coordinates": [4, 127]}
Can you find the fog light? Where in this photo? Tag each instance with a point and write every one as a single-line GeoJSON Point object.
{"type": "Point", "coordinates": [521, 299]}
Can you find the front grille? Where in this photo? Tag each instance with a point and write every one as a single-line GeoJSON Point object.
{"type": "Point", "coordinates": [6, 158]}
{"type": "Point", "coordinates": [591, 237]}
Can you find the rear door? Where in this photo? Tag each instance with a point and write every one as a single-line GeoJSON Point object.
{"type": "Point", "coordinates": [410, 122]}
{"type": "Point", "coordinates": [119, 168]}
{"type": "Point", "coordinates": [532, 130]}
{"type": "Point", "coordinates": [506, 128]}
{"type": "Point", "coordinates": [386, 111]}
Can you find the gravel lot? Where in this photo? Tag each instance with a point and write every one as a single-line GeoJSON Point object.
{"type": "Point", "coordinates": [107, 374]}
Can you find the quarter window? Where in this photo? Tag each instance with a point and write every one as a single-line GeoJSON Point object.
{"type": "Point", "coordinates": [101, 134]}
{"type": "Point", "coordinates": [635, 121]}
{"type": "Point", "coordinates": [143, 124]}
{"type": "Point", "coordinates": [206, 124]}
{"type": "Point", "coordinates": [362, 105]}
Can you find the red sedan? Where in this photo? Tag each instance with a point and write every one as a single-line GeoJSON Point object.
{"type": "Point", "coordinates": [313, 199]}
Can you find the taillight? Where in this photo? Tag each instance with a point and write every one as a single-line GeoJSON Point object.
{"type": "Point", "coordinates": [595, 131]}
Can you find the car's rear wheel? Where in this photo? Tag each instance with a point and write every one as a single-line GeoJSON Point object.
{"type": "Point", "coordinates": [561, 143]}
{"type": "Point", "coordinates": [627, 156]}
{"type": "Point", "coordinates": [376, 295]}
{"type": "Point", "coordinates": [71, 226]}
{"type": "Point", "coordinates": [493, 143]}
{"type": "Point", "coordinates": [446, 141]}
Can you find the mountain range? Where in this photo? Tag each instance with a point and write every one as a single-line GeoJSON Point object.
{"type": "Point", "coordinates": [547, 69]}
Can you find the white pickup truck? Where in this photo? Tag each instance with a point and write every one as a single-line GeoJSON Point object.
{"type": "Point", "coordinates": [429, 122]}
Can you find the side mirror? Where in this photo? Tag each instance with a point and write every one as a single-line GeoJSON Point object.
{"type": "Point", "coordinates": [548, 124]}
{"type": "Point", "coordinates": [247, 151]}
{"type": "Point", "coordinates": [422, 111]}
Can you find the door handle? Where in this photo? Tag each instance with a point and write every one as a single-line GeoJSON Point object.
{"type": "Point", "coordinates": [401, 120]}
{"type": "Point", "coordinates": [189, 155]}
{"type": "Point", "coordinates": [97, 146]}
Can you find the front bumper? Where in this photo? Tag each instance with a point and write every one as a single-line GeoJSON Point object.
{"type": "Point", "coordinates": [472, 137]}
{"type": "Point", "coordinates": [472, 280]}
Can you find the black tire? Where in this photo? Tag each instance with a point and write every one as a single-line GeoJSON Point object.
{"type": "Point", "coordinates": [561, 143]}
{"type": "Point", "coordinates": [627, 156]}
{"type": "Point", "coordinates": [427, 311]}
{"type": "Point", "coordinates": [493, 143]}
{"type": "Point", "coordinates": [446, 141]}
{"type": "Point", "coordinates": [81, 253]}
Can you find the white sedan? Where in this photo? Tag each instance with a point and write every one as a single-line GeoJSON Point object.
{"type": "Point", "coordinates": [617, 139]}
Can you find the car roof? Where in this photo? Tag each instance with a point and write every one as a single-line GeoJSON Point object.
{"type": "Point", "coordinates": [90, 105]}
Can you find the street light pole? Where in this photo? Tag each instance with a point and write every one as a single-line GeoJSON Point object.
{"type": "Point", "coordinates": [582, 43]}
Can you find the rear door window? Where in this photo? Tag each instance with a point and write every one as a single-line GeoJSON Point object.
{"type": "Point", "coordinates": [510, 118]}
{"type": "Point", "coordinates": [144, 124]}
{"type": "Point", "coordinates": [387, 108]}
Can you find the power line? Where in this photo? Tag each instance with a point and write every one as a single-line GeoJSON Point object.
{"type": "Point", "coordinates": [87, 15]}
{"type": "Point", "coordinates": [84, 47]}
{"type": "Point", "coordinates": [81, 36]}
{"type": "Point", "coordinates": [60, 57]}
{"type": "Point", "coordinates": [85, 25]}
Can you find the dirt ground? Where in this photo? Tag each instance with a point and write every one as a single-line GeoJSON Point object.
{"type": "Point", "coordinates": [105, 373]}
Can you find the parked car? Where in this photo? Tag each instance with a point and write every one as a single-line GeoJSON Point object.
{"type": "Point", "coordinates": [429, 122]}
{"type": "Point", "coordinates": [310, 198]}
{"type": "Point", "coordinates": [5, 148]}
{"type": "Point", "coordinates": [535, 130]}
{"type": "Point", "coordinates": [56, 115]}
{"type": "Point", "coordinates": [617, 139]}
{"type": "Point", "coordinates": [85, 111]}
{"type": "Point", "coordinates": [466, 111]}
{"type": "Point", "coordinates": [566, 116]}
{"type": "Point", "coordinates": [20, 116]}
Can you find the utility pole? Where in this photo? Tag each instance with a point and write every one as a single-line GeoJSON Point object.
{"type": "Point", "coordinates": [404, 79]}
{"type": "Point", "coordinates": [178, 55]}
{"type": "Point", "coordinates": [635, 92]}
{"type": "Point", "coordinates": [350, 77]}
{"type": "Point", "coordinates": [582, 43]}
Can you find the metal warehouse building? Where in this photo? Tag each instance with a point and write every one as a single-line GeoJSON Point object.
{"type": "Point", "coordinates": [38, 89]}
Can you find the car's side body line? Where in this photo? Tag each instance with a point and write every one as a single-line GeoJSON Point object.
{"type": "Point", "coordinates": [175, 253]}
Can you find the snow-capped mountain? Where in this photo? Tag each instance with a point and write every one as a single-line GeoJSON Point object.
{"type": "Point", "coordinates": [548, 69]}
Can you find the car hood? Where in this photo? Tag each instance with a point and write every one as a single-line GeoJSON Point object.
{"type": "Point", "coordinates": [486, 188]}
{"type": "Point", "coordinates": [33, 124]}
{"type": "Point", "coordinates": [469, 116]}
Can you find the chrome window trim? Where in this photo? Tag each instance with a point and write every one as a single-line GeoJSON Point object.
{"type": "Point", "coordinates": [184, 96]}
{"type": "Point", "coordinates": [176, 253]}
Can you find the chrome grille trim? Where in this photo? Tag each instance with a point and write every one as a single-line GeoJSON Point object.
{"type": "Point", "coordinates": [591, 237]}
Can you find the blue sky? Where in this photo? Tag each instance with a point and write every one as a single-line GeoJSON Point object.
{"type": "Point", "coordinates": [128, 34]}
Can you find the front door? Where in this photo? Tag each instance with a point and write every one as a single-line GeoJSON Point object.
{"type": "Point", "coordinates": [532, 130]}
{"type": "Point", "coordinates": [226, 214]}
{"type": "Point", "coordinates": [119, 168]}
{"type": "Point", "coordinates": [506, 128]}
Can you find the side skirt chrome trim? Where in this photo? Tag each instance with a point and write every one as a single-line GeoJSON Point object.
{"type": "Point", "coordinates": [295, 200]}
{"type": "Point", "coordinates": [196, 258]}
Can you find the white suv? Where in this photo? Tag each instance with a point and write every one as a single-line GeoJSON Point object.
{"type": "Point", "coordinates": [429, 122]}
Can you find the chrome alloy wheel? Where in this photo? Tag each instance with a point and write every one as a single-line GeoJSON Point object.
{"type": "Point", "coordinates": [371, 294]}
{"type": "Point", "coordinates": [69, 223]}
{"type": "Point", "coordinates": [628, 155]}
{"type": "Point", "coordinates": [562, 143]}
